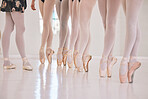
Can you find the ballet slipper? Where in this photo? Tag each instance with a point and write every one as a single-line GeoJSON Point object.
{"type": "Point", "coordinates": [79, 68]}
{"type": "Point", "coordinates": [132, 70]}
{"type": "Point", "coordinates": [59, 62]}
{"type": "Point", "coordinates": [69, 53]}
{"type": "Point", "coordinates": [42, 56]}
{"type": "Point", "coordinates": [11, 66]}
{"type": "Point", "coordinates": [49, 53]}
{"type": "Point", "coordinates": [74, 57]}
{"type": "Point", "coordinates": [110, 66]}
{"type": "Point", "coordinates": [103, 72]}
{"type": "Point", "coordinates": [64, 56]}
{"type": "Point", "coordinates": [26, 65]}
{"type": "Point", "coordinates": [123, 77]}
{"type": "Point", "coordinates": [86, 59]}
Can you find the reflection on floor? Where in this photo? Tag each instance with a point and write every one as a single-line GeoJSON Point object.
{"type": "Point", "coordinates": [49, 82]}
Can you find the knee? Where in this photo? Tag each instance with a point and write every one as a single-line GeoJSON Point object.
{"type": "Point", "coordinates": [63, 24]}
{"type": "Point", "coordinates": [9, 30]}
{"type": "Point", "coordinates": [46, 25]}
{"type": "Point", "coordinates": [131, 28]}
{"type": "Point", "coordinates": [20, 30]}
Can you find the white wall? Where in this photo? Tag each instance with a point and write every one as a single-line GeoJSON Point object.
{"type": "Point", "coordinates": [33, 35]}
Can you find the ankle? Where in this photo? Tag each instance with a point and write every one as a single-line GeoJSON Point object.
{"type": "Point", "coordinates": [6, 61]}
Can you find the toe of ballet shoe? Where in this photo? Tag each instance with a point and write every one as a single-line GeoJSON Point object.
{"type": "Point", "coordinates": [102, 73]}
{"type": "Point", "coordinates": [80, 69]}
{"type": "Point", "coordinates": [109, 73]}
{"type": "Point", "coordinates": [28, 68]}
{"type": "Point", "coordinates": [10, 67]}
{"type": "Point", "coordinates": [42, 61]}
{"type": "Point", "coordinates": [123, 78]}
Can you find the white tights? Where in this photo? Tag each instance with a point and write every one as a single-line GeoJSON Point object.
{"type": "Point", "coordinates": [46, 10]}
{"type": "Point", "coordinates": [17, 19]}
{"type": "Point", "coordinates": [109, 10]}
{"type": "Point", "coordinates": [131, 9]}
{"type": "Point", "coordinates": [63, 14]}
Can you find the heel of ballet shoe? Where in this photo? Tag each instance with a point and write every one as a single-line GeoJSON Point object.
{"type": "Point", "coordinates": [42, 60]}
{"type": "Point", "coordinates": [42, 56]}
{"type": "Point", "coordinates": [64, 59]}
{"type": "Point", "coordinates": [87, 64]}
{"type": "Point", "coordinates": [8, 67]}
{"type": "Point", "coordinates": [132, 71]}
{"type": "Point", "coordinates": [109, 68]}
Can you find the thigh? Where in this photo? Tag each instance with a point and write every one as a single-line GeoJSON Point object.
{"type": "Point", "coordinates": [112, 10]}
{"type": "Point", "coordinates": [132, 11]}
{"type": "Point", "coordinates": [48, 10]}
{"type": "Point", "coordinates": [41, 5]}
{"type": "Point", "coordinates": [86, 11]}
{"type": "Point", "coordinates": [58, 8]}
{"type": "Point", "coordinates": [9, 21]}
{"type": "Point", "coordinates": [18, 19]}
{"type": "Point", "coordinates": [64, 10]}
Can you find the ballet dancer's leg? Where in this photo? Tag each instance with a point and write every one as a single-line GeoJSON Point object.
{"type": "Point", "coordinates": [9, 27]}
{"type": "Point", "coordinates": [41, 6]}
{"type": "Point", "coordinates": [137, 41]}
{"type": "Point", "coordinates": [111, 17]}
{"type": "Point", "coordinates": [18, 19]}
{"type": "Point", "coordinates": [85, 15]}
{"type": "Point", "coordinates": [102, 5]}
{"type": "Point", "coordinates": [112, 9]}
{"type": "Point", "coordinates": [47, 27]}
{"type": "Point", "coordinates": [132, 10]}
{"type": "Point", "coordinates": [74, 31]}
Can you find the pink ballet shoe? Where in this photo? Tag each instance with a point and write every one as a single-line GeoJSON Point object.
{"type": "Point", "coordinates": [132, 70]}
{"type": "Point", "coordinates": [103, 72]}
{"type": "Point", "coordinates": [85, 65]}
{"type": "Point", "coordinates": [110, 66]}
{"type": "Point", "coordinates": [79, 68]}
{"type": "Point", "coordinates": [26, 65]}
{"type": "Point", "coordinates": [11, 66]}
{"type": "Point", "coordinates": [42, 56]}
{"type": "Point", "coordinates": [49, 53]}
{"type": "Point", "coordinates": [74, 57]}
{"type": "Point", "coordinates": [68, 53]}
{"type": "Point", "coordinates": [64, 56]}
{"type": "Point", "coordinates": [123, 77]}
{"type": "Point", "coordinates": [59, 62]}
